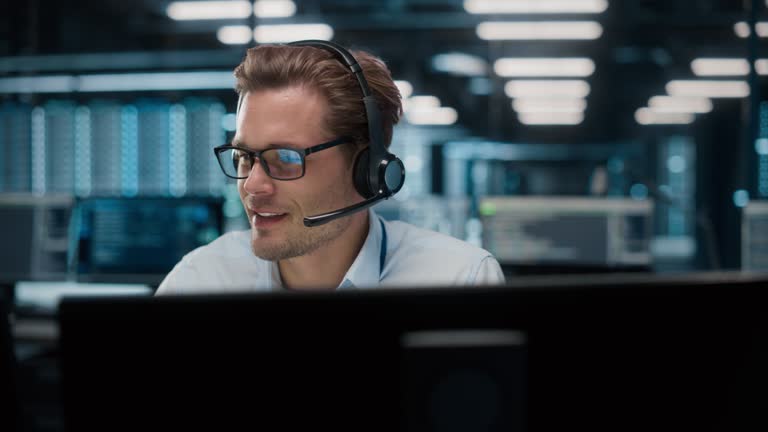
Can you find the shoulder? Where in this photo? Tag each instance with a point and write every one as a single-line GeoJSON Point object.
{"type": "Point", "coordinates": [224, 264]}
{"type": "Point", "coordinates": [420, 255]}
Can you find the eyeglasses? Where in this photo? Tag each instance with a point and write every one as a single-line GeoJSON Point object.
{"type": "Point", "coordinates": [278, 163]}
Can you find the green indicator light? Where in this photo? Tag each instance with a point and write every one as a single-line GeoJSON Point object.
{"type": "Point", "coordinates": [487, 209]}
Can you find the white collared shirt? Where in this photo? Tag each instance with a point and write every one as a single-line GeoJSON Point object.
{"type": "Point", "coordinates": [395, 254]}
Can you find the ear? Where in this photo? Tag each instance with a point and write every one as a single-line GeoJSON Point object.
{"type": "Point", "coordinates": [360, 173]}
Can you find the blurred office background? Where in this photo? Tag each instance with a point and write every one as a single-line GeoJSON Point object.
{"type": "Point", "coordinates": [564, 136]}
{"type": "Point", "coordinates": [584, 135]}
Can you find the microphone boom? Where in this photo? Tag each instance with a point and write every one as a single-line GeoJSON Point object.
{"type": "Point", "coordinates": [313, 221]}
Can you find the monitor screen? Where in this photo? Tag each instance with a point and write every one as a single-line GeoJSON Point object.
{"type": "Point", "coordinates": [139, 240]}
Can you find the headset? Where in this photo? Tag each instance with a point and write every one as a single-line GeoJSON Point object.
{"type": "Point", "coordinates": [377, 173]}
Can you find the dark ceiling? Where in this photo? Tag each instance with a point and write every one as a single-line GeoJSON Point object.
{"type": "Point", "coordinates": [645, 43]}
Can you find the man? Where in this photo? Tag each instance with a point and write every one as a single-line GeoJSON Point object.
{"type": "Point", "coordinates": [295, 98]}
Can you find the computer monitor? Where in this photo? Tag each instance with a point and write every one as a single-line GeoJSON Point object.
{"type": "Point", "coordinates": [601, 354]}
{"type": "Point", "coordinates": [139, 240]}
{"type": "Point", "coordinates": [754, 236]}
{"type": "Point", "coordinates": [568, 231]}
{"type": "Point", "coordinates": [35, 236]}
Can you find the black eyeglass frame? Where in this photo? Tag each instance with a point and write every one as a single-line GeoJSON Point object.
{"type": "Point", "coordinates": [257, 155]}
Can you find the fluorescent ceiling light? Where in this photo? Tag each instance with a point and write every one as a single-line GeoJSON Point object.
{"type": "Point", "coordinates": [234, 35]}
{"type": "Point", "coordinates": [671, 104]}
{"type": "Point", "coordinates": [539, 30]}
{"type": "Point", "coordinates": [539, 105]}
{"type": "Point", "coordinates": [559, 118]}
{"type": "Point", "coordinates": [278, 33]}
{"type": "Point", "coordinates": [727, 67]}
{"type": "Point", "coordinates": [761, 146]}
{"type": "Point", "coordinates": [535, 6]}
{"type": "Point", "coordinates": [720, 67]}
{"type": "Point", "coordinates": [274, 8]}
{"type": "Point", "coordinates": [712, 89]}
{"type": "Point", "coordinates": [157, 81]}
{"type": "Point", "coordinates": [547, 88]}
{"type": "Point", "coordinates": [406, 89]}
{"type": "Point", "coordinates": [647, 116]}
{"type": "Point", "coordinates": [419, 102]}
{"type": "Point", "coordinates": [460, 64]}
{"type": "Point", "coordinates": [742, 29]}
{"type": "Point", "coordinates": [41, 84]}
{"type": "Point", "coordinates": [119, 82]}
{"type": "Point", "coordinates": [544, 67]}
{"type": "Point", "coordinates": [208, 10]}
{"type": "Point", "coordinates": [432, 116]}
{"type": "Point", "coordinates": [761, 66]}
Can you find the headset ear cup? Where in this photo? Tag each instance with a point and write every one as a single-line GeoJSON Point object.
{"type": "Point", "coordinates": [360, 173]}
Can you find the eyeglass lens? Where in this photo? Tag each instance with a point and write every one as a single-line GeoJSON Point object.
{"type": "Point", "coordinates": [280, 164]}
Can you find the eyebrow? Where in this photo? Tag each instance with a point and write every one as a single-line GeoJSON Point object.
{"type": "Point", "coordinates": [242, 144]}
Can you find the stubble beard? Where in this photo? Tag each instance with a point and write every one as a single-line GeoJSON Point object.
{"type": "Point", "coordinates": [299, 240]}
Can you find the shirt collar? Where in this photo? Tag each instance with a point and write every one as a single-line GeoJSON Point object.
{"type": "Point", "coordinates": [365, 271]}
{"type": "Point", "coordinates": [275, 280]}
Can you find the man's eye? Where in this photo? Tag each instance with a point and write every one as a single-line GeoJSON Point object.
{"type": "Point", "coordinates": [241, 158]}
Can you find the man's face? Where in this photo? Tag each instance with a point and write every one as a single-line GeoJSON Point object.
{"type": "Point", "coordinates": [292, 117]}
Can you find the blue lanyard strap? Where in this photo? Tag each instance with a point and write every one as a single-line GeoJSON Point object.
{"type": "Point", "coordinates": [383, 254]}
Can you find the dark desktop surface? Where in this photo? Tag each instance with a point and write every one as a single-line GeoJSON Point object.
{"type": "Point", "coordinates": [614, 352]}
{"type": "Point", "coordinates": [552, 268]}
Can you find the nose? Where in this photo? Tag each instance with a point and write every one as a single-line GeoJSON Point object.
{"type": "Point", "coordinates": [258, 182]}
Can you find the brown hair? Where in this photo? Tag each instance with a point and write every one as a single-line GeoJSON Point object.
{"type": "Point", "coordinates": [279, 66]}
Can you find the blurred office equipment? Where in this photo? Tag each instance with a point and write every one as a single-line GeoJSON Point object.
{"type": "Point", "coordinates": [479, 168]}
{"type": "Point", "coordinates": [35, 299]}
{"type": "Point", "coordinates": [8, 385]}
{"type": "Point", "coordinates": [754, 236]}
{"type": "Point", "coordinates": [682, 231]}
{"type": "Point", "coordinates": [35, 230]}
{"type": "Point", "coordinates": [15, 147]}
{"type": "Point", "coordinates": [568, 231]}
{"type": "Point", "coordinates": [57, 144]}
{"type": "Point", "coordinates": [629, 351]}
{"type": "Point", "coordinates": [432, 212]}
{"type": "Point", "coordinates": [139, 240]}
{"type": "Point", "coordinates": [111, 147]}
{"type": "Point", "coordinates": [761, 150]}
{"type": "Point", "coordinates": [110, 240]}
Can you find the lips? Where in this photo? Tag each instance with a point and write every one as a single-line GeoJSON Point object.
{"type": "Point", "coordinates": [265, 212]}
{"type": "Point", "coordinates": [266, 218]}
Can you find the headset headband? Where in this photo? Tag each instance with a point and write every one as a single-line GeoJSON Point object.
{"type": "Point", "coordinates": [376, 145]}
